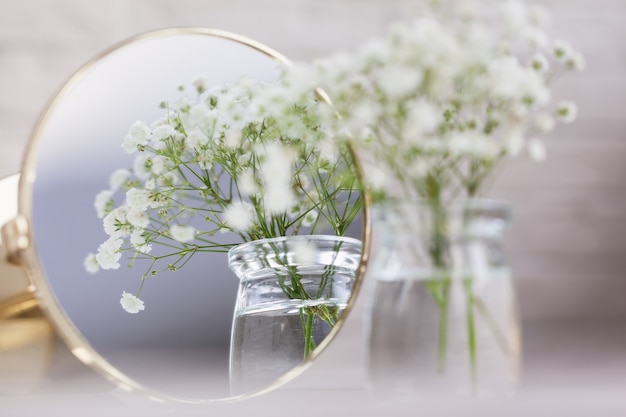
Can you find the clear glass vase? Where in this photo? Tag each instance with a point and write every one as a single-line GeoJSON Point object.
{"type": "Point", "coordinates": [441, 317]}
{"type": "Point", "coordinates": [292, 290]}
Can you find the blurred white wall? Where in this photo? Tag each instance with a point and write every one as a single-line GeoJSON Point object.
{"type": "Point", "coordinates": [568, 243]}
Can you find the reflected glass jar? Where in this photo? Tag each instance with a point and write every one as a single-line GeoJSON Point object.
{"type": "Point", "coordinates": [441, 316]}
{"type": "Point", "coordinates": [292, 290]}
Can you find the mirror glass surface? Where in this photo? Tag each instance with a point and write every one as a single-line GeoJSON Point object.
{"type": "Point", "coordinates": [179, 345]}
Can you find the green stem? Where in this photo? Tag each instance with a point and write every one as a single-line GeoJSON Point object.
{"type": "Point", "coordinates": [295, 290]}
{"type": "Point", "coordinates": [307, 318]}
{"type": "Point", "coordinates": [471, 331]}
{"type": "Point", "coordinates": [495, 329]}
{"type": "Point", "coordinates": [441, 295]}
{"type": "Point", "coordinates": [444, 309]}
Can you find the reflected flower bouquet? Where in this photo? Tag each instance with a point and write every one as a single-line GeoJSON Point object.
{"type": "Point", "coordinates": [248, 159]}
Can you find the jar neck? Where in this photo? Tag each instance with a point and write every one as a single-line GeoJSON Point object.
{"type": "Point", "coordinates": [456, 221]}
{"type": "Point", "coordinates": [253, 259]}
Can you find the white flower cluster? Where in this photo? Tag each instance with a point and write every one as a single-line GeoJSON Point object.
{"type": "Point", "coordinates": [441, 100]}
{"type": "Point", "coordinates": [249, 158]}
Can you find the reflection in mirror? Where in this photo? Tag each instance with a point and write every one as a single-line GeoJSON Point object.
{"type": "Point", "coordinates": [139, 189]}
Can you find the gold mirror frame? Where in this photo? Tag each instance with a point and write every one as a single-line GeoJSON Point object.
{"type": "Point", "coordinates": [30, 294]}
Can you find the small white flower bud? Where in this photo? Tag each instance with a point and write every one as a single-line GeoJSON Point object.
{"type": "Point", "coordinates": [576, 61]}
{"type": "Point", "coordinates": [544, 122]}
{"type": "Point", "coordinates": [536, 150]}
{"type": "Point", "coordinates": [566, 111]}
{"type": "Point", "coordinates": [540, 64]}
{"type": "Point", "coordinates": [562, 50]}
{"type": "Point", "coordinates": [131, 303]}
{"type": "Point", "coordinates": [182, 233]}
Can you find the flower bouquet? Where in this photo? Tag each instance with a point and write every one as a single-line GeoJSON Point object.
{"type": "Point", "coordinates": [434, 107]}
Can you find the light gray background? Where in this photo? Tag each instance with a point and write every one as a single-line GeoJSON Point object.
{"type": "Point", "coordinates": [568, 243]}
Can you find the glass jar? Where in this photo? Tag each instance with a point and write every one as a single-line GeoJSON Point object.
{"type": "Point", "coordinates": [292, 290]}
{"type": "Point", "coordinates": [441, 316]}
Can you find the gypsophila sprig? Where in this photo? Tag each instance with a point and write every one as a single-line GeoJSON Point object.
{"type": "Point", "coordinates": [252, 160]}
{"type": "Point", "coordinates": [433, 108]}
{"type": "Point", "coordinates": [436, 104]}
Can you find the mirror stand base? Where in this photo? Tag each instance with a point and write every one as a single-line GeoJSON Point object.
{"type": "Point", "coordinates": [33, 359]}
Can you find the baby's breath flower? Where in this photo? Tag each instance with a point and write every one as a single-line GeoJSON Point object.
{"type": "Point", "coordinates": [131, 304]}
{"type": "Point", "coordinates": [536, 150]}
{"type": "Point", "coordinates": [277, 198]}
{"type": "Point", "coordinates": [91, 263]}
{"type": "Point", "coordinates": [398, 80]}
{"type": "Point", "coordinates": [158, 164]}
{"type": "Point", "coordinates": [169, 179]}
{"type": "Point", "coordinates": [328, 151]}
{"type": "Point", "coordinates": [362, 112]}
{"type": "Point", "coordinates": [576, 61]}
{"type": "Point", "coordinates": [204, 160]}
{"type": "Point", "coordinates": [138, 240]}
{"type": "Point", "coordinates": [515, 13]}
{"type": "Point", "coordinates": [377, 178]}
{"type": "Point", "coordinates": [196, 139]}
{"type": "Point", "coordinates": [138, 135]}
{"type": "Point", "coordinates": [422, 117]}
{"type": "Point", "coordinates": [544, 122]}
{"type": "Point", "coordinates": [514, 141]}
{"type": "Point", "coordinates": [562, 50]}
{"type": "Point", "coordinates": [310, 218]}
{"type": "Point", "coordinates": [304, 252]}
{"type": "Point", "coordinates": [163, 132]}
{"type": "Point", "coordinates": [200, 82]}
{"type": "Point", "coordinates": [118, 178]}
{"type": "Point", "coordinates": [202, 117]}
{"type": "Point", "coordinates": [109, 254]}
{"type": "Point", "coordinates": [247, 183]}
{"type": "Point", "coordinates": [142, 166]}
{"type": "Point", "coordinates": [539, 63]}
{"type": "Point", "coordinates": [239, 216]}
{"type": "Point", "coordinates": [138, 218]}
{"type": "Point", "coordinates": [138, 199]}
{"type": "Point", "coordinates": [508, 80]}
{"type": "Point", "coordinates": [150, 184]}
{"type": "Point", "coordinates": [232, 138]}
{"type": "Point", "coordinates": [472, 143]}
{"type": "Point", "coordinates": [566, 111]}
{"type": "Point", "coordinates": [276, 172]}
{"type": "Point", "coordinates": [182, 233]}
{"type": "Point", "coordinates": [116, 224]}
{"type": "Point", "coordinates": [103, 203]}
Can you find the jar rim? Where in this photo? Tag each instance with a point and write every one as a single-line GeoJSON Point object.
{"type": "Point", "coordinates": [487, 203]}
{"type": "Point", "coordinates": [242, 247]}
{"type": "Point", "coordinates": [464, 218]}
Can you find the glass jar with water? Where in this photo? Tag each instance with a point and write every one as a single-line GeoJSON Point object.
{"type": "Point", "coordinates": [292, 291]}
{"type": "Point", "coordinates": [442, 316]}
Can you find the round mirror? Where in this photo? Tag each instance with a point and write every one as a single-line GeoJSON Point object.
{"type": "Point", "coordinates": [180, 344]}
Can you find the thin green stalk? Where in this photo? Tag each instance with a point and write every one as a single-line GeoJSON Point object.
{"type": "Point", "coordinates": [471, 331]}
{"type": "Point", "coordinates": [307, 318]}
{"type": "Point", "coordinates": [297, 291]}
{"type": "Point", "coordinates": [495, 329]}
{"type": "Point", "coordinates": [438, 252]}
{"type": "Point", "coordinates": [443, 327]}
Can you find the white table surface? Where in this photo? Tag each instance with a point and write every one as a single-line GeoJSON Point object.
{"type": "Point", "coordinates": [573, 368]}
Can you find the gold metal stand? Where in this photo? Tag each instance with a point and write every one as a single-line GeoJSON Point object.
{"type": "Point", "coordinates": [32, 357]}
